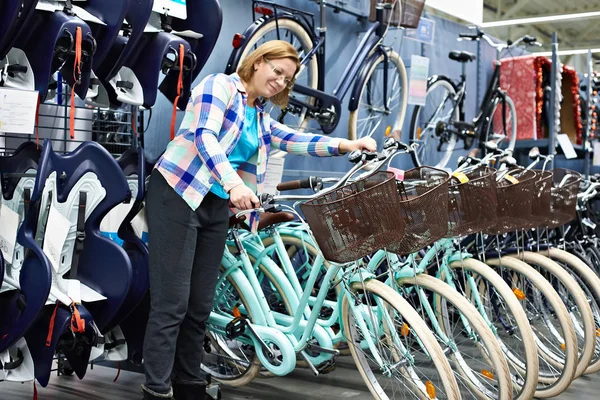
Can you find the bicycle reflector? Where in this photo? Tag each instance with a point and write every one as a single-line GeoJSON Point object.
{"type": "Point", "coordinates": [263, 10]}
{"type": "Point", "coordinates": [237, 40]}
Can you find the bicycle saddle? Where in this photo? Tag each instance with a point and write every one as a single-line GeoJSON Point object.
{"type": "Point", "coordinates": [462, 56]}
{"type": "Point", "coordinates": [101, 266]}
{"type": "Point", "coordinates": [202, 47]}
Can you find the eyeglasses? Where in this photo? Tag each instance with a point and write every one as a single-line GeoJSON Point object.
{"type": "Point", "coordinates": [289, 83]}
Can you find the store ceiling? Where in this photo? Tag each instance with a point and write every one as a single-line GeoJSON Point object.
{"type": "Point", "coordinates": [574, 34]}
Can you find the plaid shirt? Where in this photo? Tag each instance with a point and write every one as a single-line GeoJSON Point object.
{"type": "Point", "coordinates": [211, 127]}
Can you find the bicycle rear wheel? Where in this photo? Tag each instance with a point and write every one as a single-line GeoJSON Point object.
{"type": "Point", "coordinates": [429, 122]}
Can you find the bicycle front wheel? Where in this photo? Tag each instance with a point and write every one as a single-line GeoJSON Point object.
{"type": "Point", "coordinates": [502, 127]}
{"type": "Point", "coordinates": [479, 363]}
{"type": "Point", "coordinates": [406, 361]}
{"type": "Point", "coordinates": [382, 102]}
{"type": "Point", "coordinates": [428, 127]}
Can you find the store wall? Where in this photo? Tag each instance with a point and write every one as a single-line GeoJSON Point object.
{"type": "Point", "coordinates": [343, 35]}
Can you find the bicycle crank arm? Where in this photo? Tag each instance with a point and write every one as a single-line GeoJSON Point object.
{"type": "Point", "coordinates": [264, 346]}
{"type": "Point", "coordinates": [320, 349]}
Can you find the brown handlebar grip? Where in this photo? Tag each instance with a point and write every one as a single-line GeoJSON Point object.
{"type": "Point", "coordinates": [289, 185]}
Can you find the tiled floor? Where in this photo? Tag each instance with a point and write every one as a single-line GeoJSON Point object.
{"type": "Point", "coordinates": [343, 383]}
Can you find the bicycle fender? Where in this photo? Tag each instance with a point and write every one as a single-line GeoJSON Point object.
{"type": "Point", "coordinates": [236, 54]}
{"type": "Point", "coordinates": [361, 80]}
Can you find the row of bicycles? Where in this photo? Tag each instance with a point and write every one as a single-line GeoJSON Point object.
{"type": "Point", "coordinates": [480, 283]}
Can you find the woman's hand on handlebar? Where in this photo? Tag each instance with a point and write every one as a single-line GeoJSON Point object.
{"type": "Point", "coordinates": [362, 144]}
{"type": "Point", "coordinates": [243, 198]}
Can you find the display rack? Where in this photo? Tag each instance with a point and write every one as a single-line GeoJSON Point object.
{"type": "Point", "coordinates": [116, 129]}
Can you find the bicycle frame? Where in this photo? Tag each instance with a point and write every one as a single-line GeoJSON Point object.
{"type": "Point", "coordinates": [298, 325]}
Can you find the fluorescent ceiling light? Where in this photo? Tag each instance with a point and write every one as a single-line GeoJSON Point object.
{"type": "Point", "coordinates": [536, 20]}
{"type": "Point", "coordinates": [566, 52]}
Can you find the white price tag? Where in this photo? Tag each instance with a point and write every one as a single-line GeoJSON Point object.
{"type": "Point", "coordinates": [273, 175]}
{"type": "Point", "coordinates": [57, 229]}
{"type": "Point", "coordinates": [9, 225]}
{"type": "Point", "coordinates": [566, 145]}
{"type": "Point", "coordinates": [596, 161]}
{"type": "Point", "coordinates": [417, 86]}
{"type": "Point", "coordinates": [74, 290]}
{"type": "Point", "coordinates": [17, 111]}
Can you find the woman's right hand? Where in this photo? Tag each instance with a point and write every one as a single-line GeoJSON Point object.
{"type": "Point", "coordinates": [243, 198]}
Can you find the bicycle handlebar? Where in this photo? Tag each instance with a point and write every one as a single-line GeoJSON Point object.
{"type": "Point", "coordinates": [527, 39]}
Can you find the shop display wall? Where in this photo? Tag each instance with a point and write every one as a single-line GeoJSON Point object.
{"type": "Point", "coordinates": [343, 36]}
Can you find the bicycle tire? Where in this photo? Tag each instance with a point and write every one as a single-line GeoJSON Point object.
{"type": "Point", "coordinates": [497, 362]}
{"type": "Point", "coordinates": [417, 327]}
{"type": "Point", "coordinates": [253, 369]}
{"type": "Point", "coordinates": [396, 60]}
{"type": "Point", "coordinates": [589, 330]}
{"type": "Point", "coordinates": [531, 369]}
{"type": "Point", "coordinates": [585, 276]}
{"type": "Point", "coordinates": [555, 386]}
{"type": "Point", "coordinates": [416, 131]}
{"type": "Point", "coordinates": [490, 125]}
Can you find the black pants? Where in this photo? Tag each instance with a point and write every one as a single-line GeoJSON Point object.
{"type": "Point", "coordinates": [185, 247]}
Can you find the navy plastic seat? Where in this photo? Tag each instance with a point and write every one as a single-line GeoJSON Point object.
{"type": "Point", "coordinates": [112, 13]}
{"type": "Point", "coordinates": [137, 16]}
{"type": "Point", "coordinates": [9, 12]}
{"type": "Point", "coordinates": [18, 308]}
{"type": "Point", "coordinates": [1, 269]}
{"type": "Point", "coordinates": [49, 44]}
{"type": "Point", "coordinates": [156, 52]}
{"type": "Point", "coordinates": [103, 265]}
{"type": "Point", "coordinates": [209, 28]}
{"type": "Point", "coordinates": [133, 163]}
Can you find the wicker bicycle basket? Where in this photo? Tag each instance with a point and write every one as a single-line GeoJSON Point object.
{"type": "Point", "coordinates": [356, 219]}
{"type": "Point", "coordinates": [514, 194]}
{"type": "Point", "coordinates": [406, 13]}
{"type": "Point", "coordinates": [563, 197]}
{"type": "Point", "coordinates": [424, 195]}
{"type": "Point", "coordinates": [540, 202]}
{"type": "Point", "coordinates": [411, 11]}
{"type": "Point", "coordinates": [472, 204]}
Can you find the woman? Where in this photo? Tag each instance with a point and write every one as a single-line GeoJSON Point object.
{"type": "Point", "coordinates": [219, 155]}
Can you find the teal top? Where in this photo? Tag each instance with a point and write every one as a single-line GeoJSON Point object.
{"type": "Point", "coordinates": [245, 149]}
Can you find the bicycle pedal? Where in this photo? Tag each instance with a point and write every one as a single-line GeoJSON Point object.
{"type": "Point", "coordinates": [237, 327]}
{"type": "Point", "coordinates": [327, 367]}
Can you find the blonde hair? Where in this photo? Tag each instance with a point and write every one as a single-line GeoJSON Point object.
{"type": "Point", "coordinates": [272, 50]}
